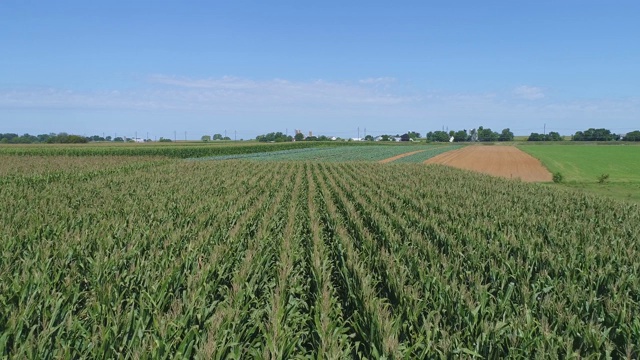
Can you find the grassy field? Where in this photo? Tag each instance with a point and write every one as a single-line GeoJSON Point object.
{"type": "Point", "coordinates": [134, 257]}
{"type": "Point", "coordinates": [583, 165]}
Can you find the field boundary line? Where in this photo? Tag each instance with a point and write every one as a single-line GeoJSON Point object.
{"type": "Point", "coordinates": [394, 158]}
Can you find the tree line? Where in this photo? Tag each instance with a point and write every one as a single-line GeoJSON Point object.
{"type": "Point", "coordinates": [63, 138]}
{"type": "Point", "coordinates": [590, 134]}
{"type": "Point", "coordinates": [60, 138]}
{"type": "Point", "coordinates": [480, 134]}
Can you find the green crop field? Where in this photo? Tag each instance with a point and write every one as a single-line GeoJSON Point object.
{"type": "Point", "coordinates": [174, 150]}
{"type": "Point", "coordinates": [372, 153]}
{"type": "Point", "coordinates": [583, 165]}
{"type": "Point", "coordinates": [154, 257]}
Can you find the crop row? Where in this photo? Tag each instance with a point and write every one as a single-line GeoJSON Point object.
{"type": "Point", "coordinates": [15, 166]}
{"type": "Point", "coordinates": [186, 150]}
{"type": "Point", "coordinates": [235, 259]}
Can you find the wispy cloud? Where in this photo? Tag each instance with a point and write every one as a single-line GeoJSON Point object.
{"type": "Point", "coordinates": [528, 92]}
{"type": "Point", "coordinates": [279, 91]}
{"type": "Point", "coordinates": [228, 96]}
{"type": "Point", "coordinates": [378, 80]}
{"type": "Point", "coordinates": [377, 102]}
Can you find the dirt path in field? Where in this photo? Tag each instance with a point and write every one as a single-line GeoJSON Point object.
{"type": "Point", "coordinates": [498, 160]}
{"type": "Point", "coordinates": [399, 157]}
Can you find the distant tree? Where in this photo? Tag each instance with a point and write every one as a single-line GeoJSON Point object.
{"type": "Point", "coordinates": [217, 137]}
{"type": "Point", "coordinates": [578, 136]}
{"type": "Point", "coordinates": [487, 135]}
{"type": "Point", "coordinates": [438, 136]}
{"type": "Point", "coordinates": [414, 135]}
{"type": "Point", "coordinates": [24, 139]}
{"type": "Point", "coordinates": [56, 139]}
{"type": "Point", "coordinates": [96, 138]}
{"type": "Point", "coordinates": [323, 138]}
{"type": "Point", "coordinates": [76, 139]}
{"type": "Point", "coordinates": [405, 137]}
{"type": "Point", "coordinates": [557, 177]}
{"type": "Point", "coordinates": [632, 136]}
{"type": "Point", "coordinates": [43, 138]}
{"type": "Point", "coordinates": [369, 138]}
{"type": "Point", "coordinates": [280, 137]}
{"type": "Point", "coordinates": [206, 138]}
{"type": "Point", "coordinates": [535, 137]}
{"type": "Point", "coordinates": [460, 136]}
{"type": "Point", "coordinates": [226, 138]}
{"type": "Point", "coordinates": [299, 137]}
{"type": "Point", "coordinates": [161, 140]}
{"type": "Point", "coordinates": [595, 135]}
{"type": "Point", "coordinates": [11, 138]}
{"type": "Point", "coordinates": [554, 136]}
{"type": "Point", "coordinates": [8, 136]}
{"type": "Point", "coordinates": [506, 135]}
{"type": "Point", "coordinates": [108, 138]}
{"type": "Point", "coordinates": [386, 138]}
{"type": "Point", "coordinates": [274, 137]}
{"type": "Point", "coordinates": [64, 138]}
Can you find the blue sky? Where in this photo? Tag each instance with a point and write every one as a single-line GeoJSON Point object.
{"type": "Point", "coordinates": [250, 67]}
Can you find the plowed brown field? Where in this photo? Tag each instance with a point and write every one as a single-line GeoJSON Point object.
{"type": "Point", "coordinates": [505, 161]}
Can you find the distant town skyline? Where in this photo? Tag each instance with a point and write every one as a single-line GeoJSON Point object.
{"type": "Point", "coordinates": [251, 68]}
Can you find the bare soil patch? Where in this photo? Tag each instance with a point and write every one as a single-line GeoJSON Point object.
{"type": "Point", "coordinates": [399, 157]}
{"type": "Point", "coordinates": [504, 161]}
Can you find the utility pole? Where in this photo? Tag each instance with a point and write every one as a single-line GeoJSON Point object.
{"type": "Point", "coordinates": [175, 135]}
{"type": "Point", "coordinates": [545, 130]}
{"type": "Point", "coordinates": [136, 140]}
{"type": "Point", "coordinates": [225, 133]}
{"type": "Point", "coordinates": [235, 135]}
{"type": "Point", "coordinates": [185, 136]}
{"type": "Point", "coordinates": [147, 136]}
{"type": "Point", "coordinates": [365, 132]}
{"type": "Point", "coordinates": [358, 132]}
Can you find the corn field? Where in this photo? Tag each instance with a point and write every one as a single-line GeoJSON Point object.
{"type": "Point", "coordinates": [173, 150]}
{"type": "Point", "coordinates": [239, 259]}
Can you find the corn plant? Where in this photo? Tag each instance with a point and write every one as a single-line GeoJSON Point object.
{"type": "Point", "coordinates": [150, 257]}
